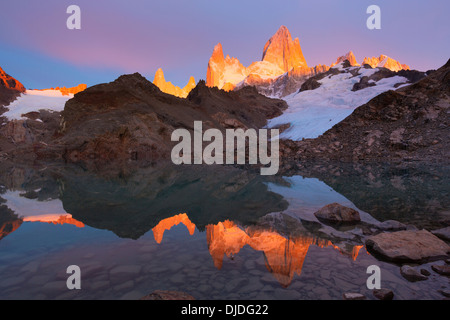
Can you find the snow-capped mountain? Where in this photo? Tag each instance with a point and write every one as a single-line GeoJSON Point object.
{"type": "Point", "coordinates": [281, 56]}
{"type": "Point", "coordinates": [282, 70]}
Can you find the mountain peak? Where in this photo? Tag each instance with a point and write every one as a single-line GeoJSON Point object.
{"type": "Point", "coordinates": [168, 87]}
{"type": "Point", "coordinates": [10, 88]}
{"type": "Point", "coordinates": [385, 62]}
{"type": "Point", "coordinates": [348, 56]}
{"type": "Point", "coordinates": [216, 65]}
{"type": "Point", "coordinates": [284, 52]}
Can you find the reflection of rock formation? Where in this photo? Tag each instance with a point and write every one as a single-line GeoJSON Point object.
{"type": "Point", "coordinates": [132, 204]}
{"type": "Point", "coordinates": [168, 223]}
{"type": "Point", "coordinates": [284, 257]}
{"type": "Point", "coordinates": [9, 221]}
{"type": "Point", "coordinates": [55, 219]}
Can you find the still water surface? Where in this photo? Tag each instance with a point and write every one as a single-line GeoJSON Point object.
{"type": "Point", "coordinates": [215, 233]}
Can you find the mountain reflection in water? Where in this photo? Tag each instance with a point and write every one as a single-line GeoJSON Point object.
{"type": "Point", "coordinates": [208, 220]}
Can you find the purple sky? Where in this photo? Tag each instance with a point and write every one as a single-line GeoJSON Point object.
{"type": "Point", "coordinates": [120, 37]}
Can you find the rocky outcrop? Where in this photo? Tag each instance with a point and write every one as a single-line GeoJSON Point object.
{"type": "Point", "coordinates": [385, 62]}
{"type": "Point", "coordinates": [288, 82]}
{"type": "Point", "coordinates": [408, 246]}
{"type": "Point", "coordinates": [19, 139]}
{"type": "Point", "coordinates": [169, 88]}
{"type": "Point", "coordinates": [131, 119]}
{"type": "Point", "coordinates": [284, 52]}
{"type": "Point", "coordinates": [348, 56]}
{"type": "Point", "coordinates": [10, 89]}
{"type": "Point", "coordinates": [224, 73]}
{"type": "Point", "coordinates": [281, 71]}
{"type": "Point", "coordinates": [216, 67]}
{"type": "Point", "coordinates": [411, 123]}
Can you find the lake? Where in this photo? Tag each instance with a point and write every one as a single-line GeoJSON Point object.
{"type": "Point", "coordinates": [214, 232]}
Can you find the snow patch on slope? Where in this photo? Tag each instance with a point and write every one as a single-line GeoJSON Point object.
{"type": "Point", "coordinates": [311, 113]}
{"type": "Point", "coordinates": [35, 100]}
{"type": "Point", "coordinates": [25, 207]}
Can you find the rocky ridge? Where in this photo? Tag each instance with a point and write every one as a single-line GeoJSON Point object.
{"type": "Point", "coordinates": [132, 119]}
{"type": "Point", "coordinates": [10, 88]}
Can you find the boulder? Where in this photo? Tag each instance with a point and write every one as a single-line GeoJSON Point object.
{"type": "Point", "coordinates": [336, 213]}
{"type": "Point", "coordinates": [408, 246]}
{"type": "Point", "coordinates": [411, 274]}
{"type": "Point", "coordinates": [442, 270]}
{"type": "Point", "coordinates": [383, 294]}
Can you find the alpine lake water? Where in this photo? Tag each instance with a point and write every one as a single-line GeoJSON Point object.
{"type": "Point", "coordinates": [214, 232]}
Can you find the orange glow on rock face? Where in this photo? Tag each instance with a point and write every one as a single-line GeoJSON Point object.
{"type": "Point", "coordinates": [66, 91]}
{"type": "Point", "coordinates": [55, 219]}
{"type": "Point", "coordinates": [169, 88]}
{"type": "Point", "coordinates": [167, 224]}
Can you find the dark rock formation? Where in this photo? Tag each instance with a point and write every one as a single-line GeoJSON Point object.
{"type": "Point", "coordinates": [131, 119]}
{"type": "Point", "coordinates": [10, 88]}
{"type": "Point", "coordinates": [131, 203]}
{"type": "Point", "coordinates": [383, 294]}
{"type": "Point", "coordinates": [411, 274]}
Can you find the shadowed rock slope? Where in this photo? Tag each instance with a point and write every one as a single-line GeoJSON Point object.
{"type": "Point", "coordinates": [408, 124]}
